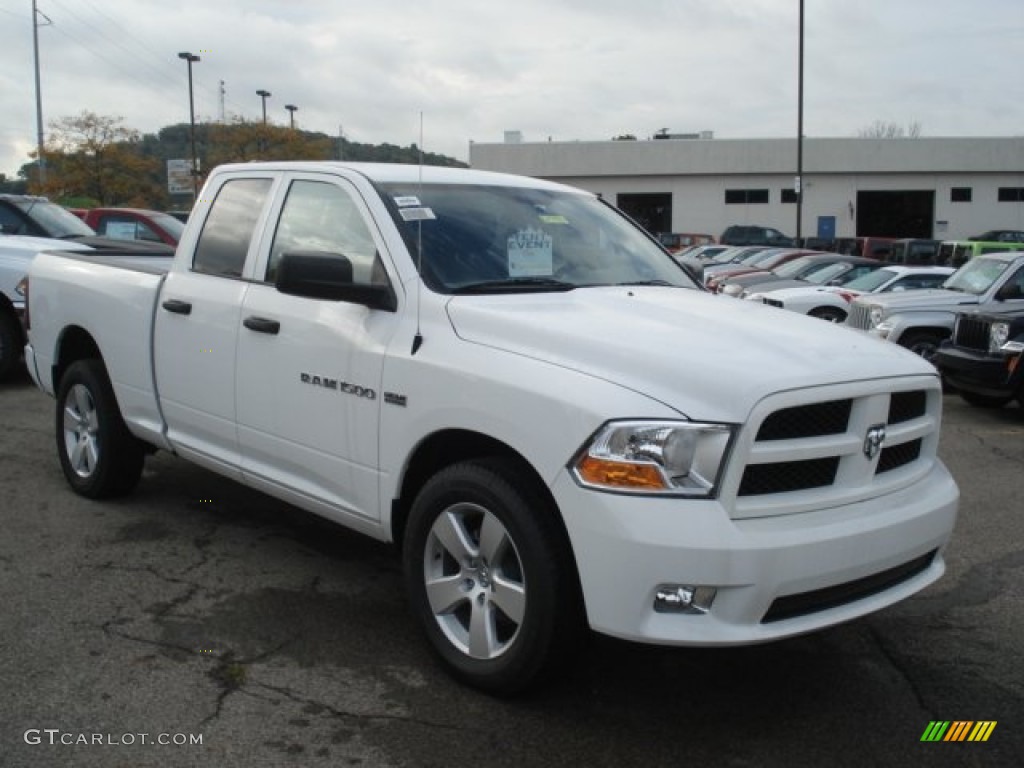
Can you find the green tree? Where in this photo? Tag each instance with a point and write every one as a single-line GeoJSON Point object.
{"type": "Point", "coordinates": [95, 156]}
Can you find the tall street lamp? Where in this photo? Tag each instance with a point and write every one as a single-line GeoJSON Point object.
{"type": "Point", "coordinates": [264, 95]}
{"type": "Point", "coordinates": [189, 59]}
{"type": "Point", "coordinates": [291, 114]}
{"type": "Point", "coordinates": [799, 182]}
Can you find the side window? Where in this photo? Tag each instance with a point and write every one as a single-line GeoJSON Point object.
{"type": "Point", "coordinates": [319, 217]}
{"type": "Point", "coordinates": [117, 227]}
{"type": "Point", "coordinates": [10, 222]}
{"type": "Point", "coordinates": [228, 229]}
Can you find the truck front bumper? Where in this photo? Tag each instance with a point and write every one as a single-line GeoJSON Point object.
{"type": "Point", "coordinates": [982, 374]}
{"type": "Point", "coordinates": [772, 577]}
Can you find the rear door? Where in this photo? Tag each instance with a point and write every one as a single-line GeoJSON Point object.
{"type": "Point", "coordinates": [309, 370]}
{"type": "Point", "coordinates": [198, 321]}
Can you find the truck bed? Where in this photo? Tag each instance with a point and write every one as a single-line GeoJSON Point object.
{"type": "Point", "coordinates": [127, 285]}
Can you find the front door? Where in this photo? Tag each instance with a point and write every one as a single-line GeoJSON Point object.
{"type": "Point", "coordinates": [309, 370]}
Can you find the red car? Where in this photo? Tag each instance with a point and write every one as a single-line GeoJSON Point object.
{"type": "Point", "coordinates": [134, 224]}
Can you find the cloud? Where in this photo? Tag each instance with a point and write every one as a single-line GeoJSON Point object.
{"type": "Point", "coordinates": [568, 69]}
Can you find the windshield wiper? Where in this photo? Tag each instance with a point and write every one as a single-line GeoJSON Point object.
{"type": "Point", "coordinates": [515, 285]}
{"type": "Point", "coordinates": [648, 282]}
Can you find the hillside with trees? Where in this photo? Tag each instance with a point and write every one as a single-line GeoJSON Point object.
{"type": "Point", "coordinates": [93, 160]}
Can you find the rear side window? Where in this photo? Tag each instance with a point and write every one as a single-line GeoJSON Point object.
{"type": "Point", "coordinates": [228, 230]}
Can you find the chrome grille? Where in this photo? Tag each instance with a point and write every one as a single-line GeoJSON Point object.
{"type": "Point", "coordinates": [859, 316]}
{"type": "Point", "coordinates": [971, 333]}
{"type": "Point", "coordinates": [810, 455]}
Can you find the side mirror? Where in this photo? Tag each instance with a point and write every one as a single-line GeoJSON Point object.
{"type": "Point", "coordinates": [319, 275]}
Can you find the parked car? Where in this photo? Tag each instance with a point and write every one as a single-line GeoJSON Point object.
{"type": "Point", "coordinates": [911, 251]}
{"type": "Point", "coordinates": [677, 241]}
{"type": "Point", "coordinates": [135, 224]}
{"type": "Point", "coordinates": [735, 257]}
{"type": "Point", "coordinates": [473, 366]}
{"type": "Point", "coordinates": [956, 253]}
{"type": "Point", "coordinates": [922, 320]}
{"type": "Point", "coordinates": [747, 234]}
{"type": "Point", "coordinates": [984, 358]}
{"type": "Point", "coordinates": [39, 217]}
{"type": "Point", "coordinates": [832, 302]}
{"type": "Point", "coordinates": [16, 255]}
{"type": "Point", "coordinates": [824, 267]}
{"type": "Point", "coordinates": [1001, 236]}
{"type": "Point", "coordinates": [766, 262]}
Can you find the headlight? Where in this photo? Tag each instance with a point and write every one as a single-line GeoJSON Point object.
{"type": "Point", "coordinates": [876, 315]}
{"type": "Point", "coordinates": [732, 290]}
{"type": "Point", "coordinates": [997, 336]}
{"type": "Point", "coordinates": [674, 458]}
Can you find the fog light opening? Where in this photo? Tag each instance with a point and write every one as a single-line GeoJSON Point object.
{"type": "Point", "coordinates": [683, 598]}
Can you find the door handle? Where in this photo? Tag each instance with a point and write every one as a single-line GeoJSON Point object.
{"type": "Point", "coordinates": [178, 307]}
{"type": "Point", "coordinates": [262, 325]}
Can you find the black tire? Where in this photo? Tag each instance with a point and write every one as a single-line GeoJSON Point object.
{"type": "Point", "coordinates": [923, 343]}
{"type": "Point", "coordinates": [831, 314]}
{"type": "Point", "coordinates": [11, 344]}
{"type": "Point", "coordinates": [984, 401]}
{"type": "Point", "coordinates": [99, 456]}
{"type": "Point", "coordinates": [520, 585]}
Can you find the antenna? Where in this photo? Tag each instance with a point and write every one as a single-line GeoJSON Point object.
{"type": "Point", "coordinates": [417, 340]}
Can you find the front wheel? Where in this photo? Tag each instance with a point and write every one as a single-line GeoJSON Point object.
{"type": "Point", "coordinates": [98, 455]}
{"type": "Point", "coordinates": [923, 343]}
{"type": "Point", "coordinates": [490, 577]}
{"type": "Point", "coordinates": [11, 343]}
{"type": "Point", "coordinates": [829, 314]}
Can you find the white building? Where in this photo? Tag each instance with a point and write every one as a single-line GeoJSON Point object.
{"type": "Point", "coordinates": [946, 188]}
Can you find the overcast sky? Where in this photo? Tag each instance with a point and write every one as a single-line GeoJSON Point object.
{"type": "Point", "coordinates": [564, 69]}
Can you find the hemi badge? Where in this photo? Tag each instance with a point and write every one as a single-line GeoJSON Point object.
{"type": "Point", "coordinates": [395, 399]}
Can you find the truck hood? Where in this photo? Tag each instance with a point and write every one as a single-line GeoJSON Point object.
{"type": "Point", "coordinates": [925, 299]}
{"type": "Point", "coordinates": [705, 356]}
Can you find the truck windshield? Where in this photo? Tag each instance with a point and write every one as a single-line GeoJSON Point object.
{"type": "Point", "coordinates": [976, 276]}
{"type": "Point", "coordinates": [515, 239]}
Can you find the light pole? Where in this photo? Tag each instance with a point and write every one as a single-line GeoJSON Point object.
{"type": "Point", "coordinates": [291, 114]}
{"type": "Point", "coordinates": [189, 59]}
{"type": "Point", "coordinates": [799, 182]}
{"type": "Point", "coordinates": [264, 95]}
{"type": "Point", "coordinates": [41, 159]}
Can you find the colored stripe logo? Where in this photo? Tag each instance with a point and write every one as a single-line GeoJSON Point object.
{"type": "Point", "coordinates": [958, 730]}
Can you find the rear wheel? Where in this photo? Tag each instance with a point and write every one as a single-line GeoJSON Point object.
{"type": "Point", "coordinates": [98, 455]}
{"type": "Point", "coordinates": [489, 577]}
{"type": "Point", "coordinates": [831, 314]}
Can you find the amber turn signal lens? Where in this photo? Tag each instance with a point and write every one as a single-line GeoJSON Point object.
{"type": "Point", "coordinates": [618, 474]}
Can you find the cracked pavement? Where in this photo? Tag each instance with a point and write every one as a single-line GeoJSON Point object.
{"type": "Point", "coordinates": [197, 606]}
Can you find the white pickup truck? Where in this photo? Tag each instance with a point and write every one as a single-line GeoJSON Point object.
{"type": "Point", "coordinates": [523, 391]}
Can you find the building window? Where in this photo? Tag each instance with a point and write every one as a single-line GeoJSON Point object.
{"type": "Point", "coordinates": [789, 196]}
{"type": "Point", "coordinates": [960, 195]}
{"type": "Point", "coordinates": [745, 196]}
{"type": "Point", "coordinates": [1011, 194]}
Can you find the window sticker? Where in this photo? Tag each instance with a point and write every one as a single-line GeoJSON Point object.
{"type": "Point", "coordinates": [530, 253]}
{"type": "Point", "coordinates": [553, 218]}
{"type": "Point", "coordinates": [417, 214]}
{"type": "Point", "coordinates": [406, 201]}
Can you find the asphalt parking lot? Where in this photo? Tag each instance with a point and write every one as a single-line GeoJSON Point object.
{"type": "Point", "coordinates": [198, 608]}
